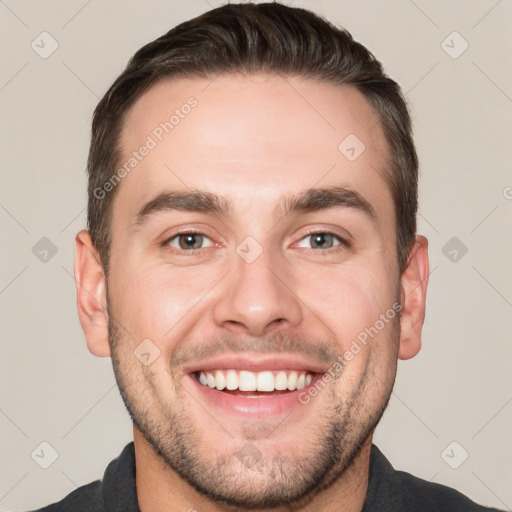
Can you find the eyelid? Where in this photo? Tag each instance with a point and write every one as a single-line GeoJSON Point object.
{"type": "Point", "coordinates": [188, 230]}
{"type": "Point", "coordinates": [178, 235]}
{"type": "Point", "coordinates": [344, 240]}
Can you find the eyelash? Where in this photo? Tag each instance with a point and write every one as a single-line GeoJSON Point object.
{"type": "Point", "coordinates": [342, 241]}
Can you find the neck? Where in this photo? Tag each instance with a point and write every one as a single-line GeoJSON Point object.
{"type": "Point", "coordinates": [160, 489]}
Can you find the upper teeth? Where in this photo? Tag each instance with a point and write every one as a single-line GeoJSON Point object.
{"type": "Point", "coordinates": [251, 381]}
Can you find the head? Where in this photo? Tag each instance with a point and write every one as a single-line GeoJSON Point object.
{"type": "Point", "coordinates": [252, 207]}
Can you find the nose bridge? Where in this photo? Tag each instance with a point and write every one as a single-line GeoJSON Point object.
{"type": "Point", "coordinates": [255, 298]}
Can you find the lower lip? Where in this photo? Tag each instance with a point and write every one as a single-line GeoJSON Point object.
{"type": "Point", "coordinates": [262, 406]}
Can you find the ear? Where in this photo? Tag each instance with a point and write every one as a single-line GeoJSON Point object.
{"type": "Point", "coordinates": [91, 295]}
{"type": "Point", "coordinates": [413, 284]}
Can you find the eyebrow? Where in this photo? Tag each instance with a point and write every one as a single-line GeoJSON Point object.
{"type": "Point", "coordinates": [314, 199]}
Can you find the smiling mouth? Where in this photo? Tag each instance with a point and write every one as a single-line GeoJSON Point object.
{"type": "Point", "coordinates": [248, 384]}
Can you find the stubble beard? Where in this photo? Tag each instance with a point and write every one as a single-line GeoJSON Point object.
{"type": "Point", "coordinates": [268, 481]}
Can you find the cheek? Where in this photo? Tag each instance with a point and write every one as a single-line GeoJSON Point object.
{"type": "Point", "coordinates": [348, 300]}
{"type": "Point", "coordinates": [157, 301]}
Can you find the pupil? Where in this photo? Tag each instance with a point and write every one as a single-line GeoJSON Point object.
{"type": "Point", "coordinates": [321, 240]}
{"type": "Point", "coordinates": [190, 241]}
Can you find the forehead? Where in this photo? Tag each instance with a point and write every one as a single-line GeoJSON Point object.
{"type": "Point", "coordinates": [252, 139]}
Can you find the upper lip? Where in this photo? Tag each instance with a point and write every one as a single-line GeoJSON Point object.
{"type": "Point", "coordinates": [256, 363]}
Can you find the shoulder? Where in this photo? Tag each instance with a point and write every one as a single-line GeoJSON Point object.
{"type": "Point", "coordinates": [116, 491]}
{"type": "Point", "coordinates": [391, 490]}
{"type": "Point", "coordinates": [86, 498]}
{"type": "Point", "coordinates": [426, 496]}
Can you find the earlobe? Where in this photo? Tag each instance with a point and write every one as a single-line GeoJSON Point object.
{"type": "Point", "coordinates": [91, 295]}
{"type": "Point", "coordinates": [413, 283]}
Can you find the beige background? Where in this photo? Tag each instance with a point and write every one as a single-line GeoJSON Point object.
{"type": "Point", "coordinates": [460, 386]}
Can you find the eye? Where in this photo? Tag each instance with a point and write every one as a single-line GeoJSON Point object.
{"type": "Point", "coordinates": [189, 241]}
{"type": "Point", "coordinates": [321, 240]}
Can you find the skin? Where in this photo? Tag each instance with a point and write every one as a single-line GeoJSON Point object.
{"type": "Point", "coordinates": [253, 140]}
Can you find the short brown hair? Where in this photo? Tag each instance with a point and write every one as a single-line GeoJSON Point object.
{"type": "Point", "coordinates": [249, 38]}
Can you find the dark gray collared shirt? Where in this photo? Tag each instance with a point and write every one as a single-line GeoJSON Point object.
{"type": "Point", "coordinates": [388, 491]}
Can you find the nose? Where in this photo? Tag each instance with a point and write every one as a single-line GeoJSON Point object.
{"type": "Point", "coordinates": [256, 299]}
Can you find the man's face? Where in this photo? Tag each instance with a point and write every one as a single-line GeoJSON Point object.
{"type": "Point", "coordinates": [262, 288]}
